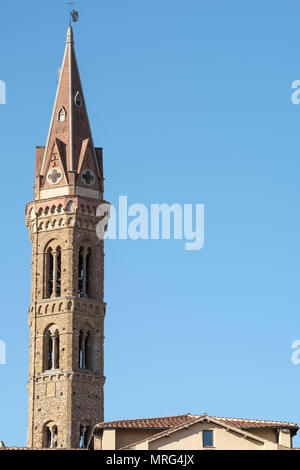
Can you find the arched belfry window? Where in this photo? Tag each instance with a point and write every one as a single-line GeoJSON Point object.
{"type": "Point", "coordinates": [51, 349]}
{"type": "Point", "coordinates": [50, 435]}
{"type": "Point", "coordinates": [78, 99]}
{"type": "Point", "coordinates": [85, 431]}
{"type": "Point", "coordinates": [62, 114]}
{"type": "Point", "coordinates": [53, 273]}
{"type": "Point", "coordinates": [84, 271]}
{"type": "Point", "coordinates": [84, 349]}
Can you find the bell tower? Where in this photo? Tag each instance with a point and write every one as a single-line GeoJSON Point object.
{"type": "Point", "coordinates": [67, 310]}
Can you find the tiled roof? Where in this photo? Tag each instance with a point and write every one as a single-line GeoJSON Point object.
{"type": "Point", "coordinates": [168, 422]}
{"type": "Point", "coordinates": [164, 422]}
{"type": "Point", "coordinates": [255, 423]}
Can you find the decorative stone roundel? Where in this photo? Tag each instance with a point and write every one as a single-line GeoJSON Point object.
{"type": "Point", "coordinates": [54, 176]}
{"type": "Point", "coordinates": [88, 177]}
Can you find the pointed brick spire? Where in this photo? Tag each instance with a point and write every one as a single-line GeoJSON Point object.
{"type": "Point", "coordinates": [69, 159]}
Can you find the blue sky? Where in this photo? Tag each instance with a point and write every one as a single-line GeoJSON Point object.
{"type": "Point", "coordinates": [191, 101]}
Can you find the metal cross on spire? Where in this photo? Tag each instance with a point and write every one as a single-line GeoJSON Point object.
{"type": "Point", "coordinates": [74, 15]}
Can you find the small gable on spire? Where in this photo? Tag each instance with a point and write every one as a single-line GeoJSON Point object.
{"type": "Point", "coordinates": [55, 169]}
{"type": "Point", "coordinates": [87, 169]}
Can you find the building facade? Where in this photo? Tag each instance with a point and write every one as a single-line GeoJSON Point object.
{"type": "Point", "coordinates": [67, 310]}
{"type": "Point", "coordinates": [193, 432]}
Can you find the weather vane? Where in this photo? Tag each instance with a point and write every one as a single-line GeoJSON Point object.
{"type": "Point", "coordinates": [74, 15]}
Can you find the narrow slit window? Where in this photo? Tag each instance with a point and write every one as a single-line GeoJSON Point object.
{"type": "Point", "coordinates": [56, 345]}
{"type": "Point", "coordinates": [54, 437]}
{"type": "Point", "coordinates": [82, 434]}
{"type": "Point", "coordinates": [48, 438]}
{"type": "Point", "coordinates": [88, 274]}
{"type": "Point", "coordinates": [87, 351]}
{"type": "Point", "coordinates": [81, 358]}
{"type": "Point", "coordinates": [78, 99]}
{"type": "Point", "coordinates": [50, 273]}
{"type": "Point", "coordinates": [80, 273]}
{"type": "Point", "coordinates": [58, 275]}
{"type": "Point", "coordinates": [49, 346]}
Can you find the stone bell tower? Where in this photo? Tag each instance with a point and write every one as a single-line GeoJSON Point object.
{"type": "Point", "coordinates": [66, 314]}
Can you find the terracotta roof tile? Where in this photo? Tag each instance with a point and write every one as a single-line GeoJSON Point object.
{"type": "Point", "coordinates": [168, 422]}
{"type": "Point", "coordinates": [164, 422]}
{"type": "Point", "coordinates": [255, 423]}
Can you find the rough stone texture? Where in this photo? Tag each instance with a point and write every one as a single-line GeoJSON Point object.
{"type": "Point", "coordinates": [70, 396]}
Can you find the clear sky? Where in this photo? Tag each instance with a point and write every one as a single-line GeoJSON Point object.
{"type": "Point", "coordinates": [191, 101]}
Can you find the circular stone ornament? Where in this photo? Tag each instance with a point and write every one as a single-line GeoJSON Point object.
{"type": "Point", "coordinates": [54, 176]}
{"type": "Point", "coordinates": [88, 177]}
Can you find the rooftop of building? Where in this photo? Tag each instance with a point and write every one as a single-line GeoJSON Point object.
{"type": "Point", "coordinates": [167, 422]}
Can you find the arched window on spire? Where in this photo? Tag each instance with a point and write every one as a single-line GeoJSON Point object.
{"type": "Point", "coordinates": [78, 99]}
{"type": "Point", "coordinates": [62, 114]}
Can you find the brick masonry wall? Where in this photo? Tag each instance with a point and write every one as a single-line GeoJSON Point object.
{"type": "Point", "coordinates": [70, 396]}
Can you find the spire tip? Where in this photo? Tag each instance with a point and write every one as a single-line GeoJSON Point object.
{"type": "Point", "coordinates": [70, 36]}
